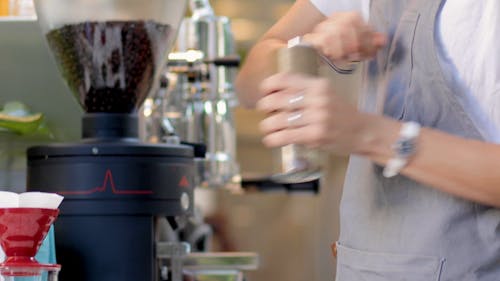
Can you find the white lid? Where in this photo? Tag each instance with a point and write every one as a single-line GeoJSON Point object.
{"type": "Point", "coordinates": [30, 200]}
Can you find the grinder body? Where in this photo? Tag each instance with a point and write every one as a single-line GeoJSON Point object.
{"type": "Point", "coordinates": [114, 193]}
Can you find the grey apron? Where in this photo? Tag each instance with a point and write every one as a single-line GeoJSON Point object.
{"type": "Point", "coordinates": [398, 229]}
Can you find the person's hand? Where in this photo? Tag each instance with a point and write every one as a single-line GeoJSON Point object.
{"type": "Point", "coordinates": [345, 37]}
{"type": "Point", "coordinates": [305, 110]}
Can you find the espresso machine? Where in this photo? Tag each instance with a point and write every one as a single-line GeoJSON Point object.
{"type": "Point", "coordinates": [123, 197]}
{"type": "Point", "coordinates": [196, 96]}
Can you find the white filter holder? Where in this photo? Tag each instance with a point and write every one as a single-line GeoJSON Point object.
{"type": "Point", "coordinates": [39, 200]}
{"type": "Point", "coordinates": [9, 199]}
{"type": "Point", "coordinates": [30, 200]}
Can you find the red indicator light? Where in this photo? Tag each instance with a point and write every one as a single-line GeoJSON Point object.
{"type": "Point", "coordinates": [184, 182]}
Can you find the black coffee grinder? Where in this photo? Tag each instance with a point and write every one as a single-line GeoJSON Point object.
{"type": "Point", "coordinates": [116, 188]}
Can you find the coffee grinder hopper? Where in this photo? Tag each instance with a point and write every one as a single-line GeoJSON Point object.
{"type": "Point", "coordinates": [110, 52]}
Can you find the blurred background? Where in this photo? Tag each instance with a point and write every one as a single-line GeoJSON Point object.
{"type": "Point", "coordinates": [292, 233]}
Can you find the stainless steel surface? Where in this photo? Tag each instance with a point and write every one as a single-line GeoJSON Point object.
{"type": "Point", "coordinates": [296, 163]}
{"type": "Point", "coordinates": [198, 96]}
{"type": "Point", "coordinates": [221, 261]}
{"type": "Point", "coordinates": [218, 276]}
{"type": "Point", "coordinates": [203, 266]}
{"type": "Point", "coordinates": [175, 253]}
{"type": "Point", "coordinates": [208, 117]}
{"type": "Point", "coordinates": [167, 250]}
{"type": "Point", "coordinates": [219, 266]}
{"type": "Point", "coordinates": [197, 118]}
{"type": "Point", "coordinates": [212, 35]}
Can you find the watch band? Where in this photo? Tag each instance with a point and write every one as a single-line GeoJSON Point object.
{"type": "Point", "coordinates": [404, 148]}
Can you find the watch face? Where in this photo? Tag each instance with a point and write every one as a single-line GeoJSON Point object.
{"type": "Point", "coordinates": [405, 147]}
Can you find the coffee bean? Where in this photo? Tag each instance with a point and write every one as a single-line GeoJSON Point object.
{"type": "Point", "coordinates": [110, 66]}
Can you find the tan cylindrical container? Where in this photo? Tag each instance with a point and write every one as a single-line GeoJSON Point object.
{"type": "Point", "coordinates": [296, 163]}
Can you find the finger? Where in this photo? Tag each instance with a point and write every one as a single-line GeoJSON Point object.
{"type": "Point", "coordinates": [285, 81]}
{"type": "Point", "coordinates": [272, 84]}
{"type": "Point", "coordinates": [273, 123]}
{"type": "Point", "coordinates": [282, 81]}
{"type": "Point", "coordinates": [286, 100]}
{"type": "Point", "coordinates": [379, 39]}
{"type": "Point", "coordinates": [284, 120]}
{"type": "Point", "coordinates": [349, 37]}
{"type": "Point", "coordinates": [296, 101]}
{"type": "Point", "coordinates": [327, 43]}
{"type": "Point", "coordinates": [280, 138]}
{"type": "Point", "coordinates": [311, 136]}
{"type": "Point", "coordinates": [298, 92]}
{"type": "Point", "coordinates": [371, 42]}
{"type": "Point", "coordinates": [313, 98]}
{"type": "Point", "coordinates": [347, 18]}
{"type": "Point", "coordinates": [343, 41]}
{"type": "Point", "coordinates": [351, 42]}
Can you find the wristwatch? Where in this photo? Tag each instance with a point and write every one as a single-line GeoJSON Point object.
{"type": "Point", "coordinates": [404, 148]}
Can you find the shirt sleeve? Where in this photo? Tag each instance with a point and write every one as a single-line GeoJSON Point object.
{"type": "Point", "coordinates": [470, 34]}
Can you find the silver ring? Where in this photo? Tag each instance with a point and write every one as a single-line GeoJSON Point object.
{"type": "Point", "coordinates": [293, 118]}
{"type": "Point", "coordinates": [296, 99]}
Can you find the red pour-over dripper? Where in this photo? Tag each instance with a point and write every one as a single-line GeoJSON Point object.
{"type": "Point", "coordinates": [22, 231]}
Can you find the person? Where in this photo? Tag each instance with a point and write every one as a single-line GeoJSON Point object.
{"type": "Point", "coordinates": [421, 198]}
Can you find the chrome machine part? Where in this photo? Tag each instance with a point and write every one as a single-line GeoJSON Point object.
{"type": "Point", "coordinates": [197, 96]}
{"type": "Point", "coordinates": [211, 35]}
{"type": "Point", "coordinates": [200, 119]}
{"type": "Point", "coordinates": [178, 260]}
